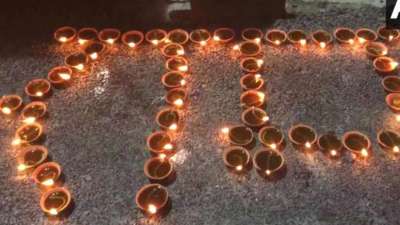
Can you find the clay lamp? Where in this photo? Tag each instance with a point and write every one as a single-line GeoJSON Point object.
{"type": "Point", "coordinates": [366, 35]}
{"type": "Point", "coordinates": [252, 34]}
{"type": "Point", "coordinates": [223, 35]}
{"type": "Point", "coordinates": [387, 34]}
{"type": "Point", "coordinates": [86, 35]}
{"type": "Point", "coordinates": [156, 36]}
{"type": "Point", "coordinates": [10, 104]}
{"type": "Point", "coordinates": [94, 50]}
{"type": "Point", "coordinates": [251, 64]}
{"type": "Point", "coordinates": [178, 36]}
{"type": "Point", "coordinates": [251, 82]}
{"type": "Point", "coordinates": [241, 136]}
{"type": "Point", "coordinates": [47, 175]}
{"type": "Point", "coordinates": [393, 102]}
{"type": "Point", "coordinates": [38, 88]}
{"type": "Point", "coordinates": [109, 35]}
{"type": "Point", "coordinates": [375, 49]}
{"type": "Point", "coordinates": [60, 76]}
{"type": "Point", "coordinates": [385, 65]}
{"type": "Point", "coordinates": [27, 134]}
{"type": "Point", "coordinates": [357, 143]}
{"type": "Point", "coordinates": [254, 117]}
{"type": "Point", "coordinates": [389, 141]}
{"type": "Point", "coordinates": [33, 112]}
{"type": "Point", "coordinates": [160, 144]}
{"type": "Point", "coordinates": [252, 98]}
{"type": "Point", "coordinates": [237, 159]}
{"type": "Point", "coordinates": [65, 34]}
{"type": "Point", "coordinates": [132, 38]}
{"type": "Point", "coordinates": [55, 202]}
{"type": "Point", "coordinates": [168, 119]}
{"type": "Point", "coordinates": [345, 35]}
{"type": "Point", "coordinates": [303, 137]}
{"type": "Point", "coordinates": [321, 38]}
{"type": "Point", "coordinates": [297, 37]}
{"type": "Point", "coordinates": [179, 64]}
{"type": "Point", "coordinates": [200, 37]}
{"type": "Point", "coordinates": [153, 200]}
{"type": "Point", "coordinates": [276, 37]}
{"type": "Point", "coordinates": [271, 137]}
{"type": "Point", "coordinates": [176, 97]}
{"type": "Point", "coordinates": [249, 48]}
{"type": "Point", "coordinates": [173, 79]}
{"type": "Point", "coordinates": [330, 145]}
{"type": "Point", "coordinates": [269, 164]}
{"type": "Point", "coordinates": [77, 61]}
{"type": "Point", "coordinates": [172, 50]}
{"type": "Point", "coordinates": [391, 84]}
{"type": "Point", "coordinates": [159, 170]}
{"type": "Point", "coordinates": [30, 157]}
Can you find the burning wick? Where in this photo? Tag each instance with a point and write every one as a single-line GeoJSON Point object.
{"type": "Point", "coordinates": [391, 37]}
{"type": "Point", "coordinates": [180, 52]}
{"type": "Point", "coordinates": [396, 149]}
{"type": "Point", "coordinates": [39, 93]}
{"type": "Point", "coordinates": [273, 146]}
{"type": "Point", "coordinates": [203, 43]}
{"type": "Point", "coordinates": [62, 39]}
{"type": "Point", "coordinates": [322, 44]}
{"type": "Point", "coordinates": [351, 41]}
{"type": "Point", "coordinates": [303, 42]}
{"type": "Point", "coordinates": [79, 66]}
{"type": "Point", "coordinates": [183, 68]}
{"type": "Point", "coordinates": [29, 120]}
{"type": "Point", "coordinates": [257, 40]}
{"type": "Point", "coordinates": [132, 44]}
{"type": "Point", "coordinates": [398, 118]}
{"type": "Point", "coordinates": [361, 40]}
{"type": "Point", "coordinates": [6, 110]}
{"type": "Point", "coordinates": [16, 142]}
{"type": "Point", "coordinates": [239, 168]}
{"type": "Point", "coordinates": [308, 145]}
{"type": "Point", "coordinates": [277, 42]}
{"type": "Point", "coordinates": [152, 209]}
{"type": "Point", "coordinates": [333, 152]}
{"type": "Point", "coordinates": [393, 65]}
{"type": "Point", "coordinates": [178, 102]}
{"type": "Point", "coordinates": [265, 118]}
{"type": "Point", "coordinates": [225, 130]}
{"type": "Point", "coordinates": [65, 76]}
{"type": "Point", "coordinates": [261, 96]}
{"type": "Point", "coordinates": [168, 146]}
{"type": "Point", "coordinates": [81, 41]}
{"type": "Point", "coordinates": [364, 152]}
{"type": "Point", "coordinates": [162, 156]}
{"type": "Point", "coordinates": [154, 42]}
{"type": "Point", "coordinates": [110, 41]}
{"type": "Point", "coordinates": [183, 82]}
{"type": "Point", "coordinates": [268, 172]}
{"type": "Point", "coordinates": [236, 47]}
{"type": "Point", "coordinates": [260, 62]}
{"type": "Point", "coordinates": [257, 77]}
{"type": "Point", "coordinates": [173, 126]}
{"type": "Point", "coordinates": [21, 167]}
{"type": "Point", "coordinates": [48, 182]}
{"type": "Point", "coordinates": [94, 55]}
{"type": "Point", "coordinates": [216, 38]}
{"type": "Point", "coordinates": [53, 211]}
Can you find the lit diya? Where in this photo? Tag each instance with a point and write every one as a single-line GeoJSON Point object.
{"type": "Point", "coordinates": [30, 157]}
{"type": "Point", "coordinates": [385, 65]}
{"type": "Point", "coordinates": [178, 63]}
{"type": "Point", "coordinates": [94, 50]}
{"type": "Point", "coordinates": [322, 38]}
{"type": "Point", "coordinates": [86, 35]}
{"type": "Point", "coordinates": [168, 119]}
{"type": "Point", "coordinates": [251, 64]}
{"type": "Point", "coordinates": [357, 143]}
{"type": "Point", "coordinates": [366, 35]}
{"type": "Point", "coordinates": [173, 79]}
{"type": "Point", "coordinates": [132, 38]}
{"type": "Point", "coordinates": [176, 97]}
{"type": "Point", "coordinates": [241, 136]}
{"type": "Point", "coordinates": [297, 37]}
{"type": "Point", "coordinates": [237, 159]}
{"type": "Point", "coordinates": [303, 137]}
{"type": "Point", "coordinates": [276, 37]}
{"type": "Point", "coordinates": [65, 34]}
{"type": "Point", "coordinates": [77, 61]}
{"type": "Point", "coordinates": [38, 88]}
{"type": "Point", "coordinates": [27, 134]}
{"type": "Point", "coordinates": [200, 36]}
{"type": "Point", "coordinates": [391, 84]}
{"type": "Point", "coordinates": [344, 35]}
{"type": "Point", "coordinates": [252, 98]}
{"type": "Point", "coordinates": [156, 36]}
{"type": "Point", "coordinates": [251, 81]}
{"type": "Point", "coordinates": [389, 141]}
{"type": "Point", "coordinates": [153, 200]}
{"type": "Point", "coordinates": [254, 117]}
{"type": "Point", "coordinates": [269, 163]}
{"type": "Point", "coordinates": [60, 76]}
{"type": "Point", "coordinates": [393, 102]}
{"type": "Point", "coordinates": [387, 34]}
{"type": "Point", "coordinates": [47, 174]}
{"type": "Point", "coordinates": [271, 137]}
{"type": "Point", "coordinates": [160, 143]}
{"type": "Point", "coordinates": [172, 50]}
{"type": "Point", "coordinates": [330, 145]}
{"type": "Point", "coordinates": [109, 35]}
{"type": "Point", "coordinates": [9, 104]}
{"type": "Point", "coordinates": [178, 36]}
{"type": "Point", "coordinates": [159, 170]}
{"type": "Point", "coordinates": [252, 34]}
{"type": "Point", "coordinates": [249, 48]}
{"type": "Point", "coordinates": [375, 49]}
{"type": "Point", "coordinates": [223, 35]}
{"type": "Point", "coordinates": [55, 201]}
{"type": "Point", "coordinates": [33, 112]}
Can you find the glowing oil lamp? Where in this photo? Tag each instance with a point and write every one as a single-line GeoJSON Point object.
{"type": "Point", "coordinates": [237, 159]}
{"type": "Point", "coordinates": [251, 82]}
{"type": "Point", "coordinates": [252, 34]}
{"type": "Point", "coordinates": [252, 98]}
{"type": "Point", "coordinates": [303, 137]}
{"type": "Point", "coordinates": [241, 136]}
{"type": "Point", "coordinates": [365, 35]}
{"type": "Point", "coordinates": [168, 119]}
{"type": "Point", "coordinates": [251, 64]}
{"type": "Point", "coordinates": [47, 175]}
{"type": "Point", "coordinates": [132, 38]}
{"type": "Point", "coordinates": [357, 143]}
{"type": "Point", "coordinates": [345, 35]}
{"type": "Point", "coordinates": [269, 163]}
{"type": "Point", "coordinates": [297, 37]}
{"type": "Point", "coordinates": [179, 64]}
{"type": "Point", "coordinates": [65, 34]}
{"type": "Point", "coordinates": [176, 97]}
{"type": "Point", "coordinates": [156, 36]}
{"type": "Point", "coordinates": [173, 79]}
{"type": "Point", "coordinates": [38, 88]}
{"type": "Point", "coordinates": [159, 170]}
{"type": "Point", "coordinates": [391, 84]}
{"type": "Point", "coordinates": [249, 48]}
{"type": "Point", "coordinates": [389, 141]}
{"type": "Point", "coordinates": [271, 137]}
{"type": "Point", "coordinates": [388, 34]}
{"type": "Point", "coordinates": [77, 61]}
{"type": "Point", "coordinates": [10, 104]}
{"type": "Point", "coordinates": [55, 202]}
{"type": "Point", "coordinates": [385, 65]}
{"type": "Point", "coordinates": [109, 35]}
{"type": "Point", "coordinates": [172, 50]}
{"type": "Point", "coordinates": [27, 134]}
{"type": "Point", "coordinates": [30, 157]}
{"type": "Point", "coordinates": [223, 35]}
{"type": "Point", "coordinates": [178, 36]}
{"type": "Point", "coordinates": [375, 49]}
{"type": "Point", "coordinates": [276, 37]}
{"type": "Point", "coordinates": [330, 145]}
{"type": "Point", "coordinates": [200, 36]}
{"type": "Point", "coordinates": [86, 35]}
{"type": "Point", "coordinates": [60, 76]}
{"type": "Point", "coordinates": [393, 102]}
{"type": "Point", "coordinates": [160, 142]}
{"type": "Point", "coordinates": [33, 112]}
{"type": "Point", "coordinates": [254, 117]}
{"type": "Point", "coordinates": [153, 200]}
{"type": "Point", "coordinates": [321, 38]}
{"type": "Point", "coordinates": [94, 50]}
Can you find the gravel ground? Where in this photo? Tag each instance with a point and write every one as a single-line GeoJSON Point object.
{"type": "Point", "coordinates": [97, 130]}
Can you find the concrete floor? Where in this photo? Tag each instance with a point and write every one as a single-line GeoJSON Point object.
{"type": "Point", "coordinates": [97, 130]}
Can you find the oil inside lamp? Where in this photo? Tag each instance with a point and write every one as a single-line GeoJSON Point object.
{"type": "Point", "coordinates": [152, 199]}
{"type": "Point", "coordinates": [345, 35]}
{"type": "Point", "coordinates": [322, 38]}
{"type": "Point", "coordinates": [249, 48]}
{"type": "Point", "coordinates": [158, 169]}
{"type": "Point", "coordinates": [391, 84]}
{"type": "Point", "coordinates": [236, 159]}
{"type": "Point", "coordinates": [10, 104]}
{"type": "Point", "coordinates": [357, 143]}
{"type": "Point", "coordinates": [94, 50]}
{"type": "Point", "coordinates": [200, 36]}
{"type": "Point", "coordinates": [298, 37]}
{"type": "Point", "coordinates": [86, 35]}
{"type": "Point", "coordinates": [252, 98]}
{"type": "Point", "coordinates": [271, 137]}
{"type": "Point", "coordinates": [389, 141]}
{"type": "Point", "coordinates": [388, 34]}
{"type": "Point", "coordinates": [31, 156]}
{"type": "Point", "coordinates": [179, 64]}
{"type": "Point", "coordinates": [132, 38]}
{"type": "Point", "coordinates": [178, 36]}
{"type": "Point", "coordinates": [156, 36]}
{"type": "Point", "coordinates": [276, 37]}
{"type": "Point", "coordinates": [173, 79]}
{"type": "Point", "coordinates": [168, 119]}
{"type": "Point", "coordinates": [375, 49]}
{"type": "Point", "coordinates": [47, 174]}
{"type": "Point", "coordinates": [302, 136]}
{"type": "Point", "coordinates": [55, 201]}
{"type": "Point", "coordinates": [65, 34]}
{"type": "Point", "coordinates": [176, 97]}
{"type": "Point", "coordinates": [38, 88]}
{"type": "Point", "coordinates": [223, 35]}
{"type": "Point", "coordinates": [385, 64]}
{"type": "Point", "coordinates": [330, 145]}
{"type": "Point", "coordinates": [172, 50]}
{"type": "Point", "coordinates": [109, 35]}
{"type": "Point", "coordinates": [254, 117]}
{"type": "Point", "coordinates": [251, 64]}
{"type": "Point", "coordinates": [366, 35]}
{"type": "Point", "coordinates": [28, 133]}
{"type": "Point", "coordinates": [160, 142]}
{"type": "Point", "coordinates": [77, 61]}
{"type": "Point", "coordinates": [33, 111]}
{"type": "Point", "coordinates": [251, 82]}
{"type": "Point", "coordinates": [240, 136]}
{"type": "Point", "coordinates": [268, 162]}
{"type": "Point", "coordinates": [59, 76]}
{"type": "Point", "coordinates": [393, 102]}
{"type": "Point", "coordinates": [252, 34]}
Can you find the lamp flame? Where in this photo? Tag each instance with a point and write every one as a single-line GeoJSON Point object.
{"type": "Point", "coordinates": [48, 182]}
{"type": "Point", "coordinates": [268, 172]}
{"type": "Point", "coordinates": [364, 152]}
{"type": "Point", "coordinates": [361, 40]}
{"type": "Point", "coordinates": [152, 209]}
{"type": "Point", "coordinates": [155, 42]}
{"type": "Point", "coordinates": [94, 55]}
{"type": "Point", "coordinates": [65, 76]}
{"type": "Point", "coordinates": [16, 142]}
{"type": "Point", "coordinates": [110, 41]}
{"type": "Point", "coordinates": [21, 167]}
{"type": "Point", "coordinates": [322, 44]}
{"type": "Point", "coordinates": [396, 149]}
{"type": "Point", "coordinates": [29, 120]}
{"type": "Point", "coordinates": [39, 94]}
{"type": "Point", "coordinates": [225, 130]}
{"type": "Point", "coordinates": [63, 39]}
{"type": "Point", "coordinates": [81, 41]}
{"type": "Point", "coordinates": [273, 146]}
{"type": "Point", "coordinates": [236, 47]}
{"type": "Point", "coordinates": [6, 110]}
{"type": "Point", "coordinates": [277, 42]}
{"type": "Point", "coordinates": [178, 102]}
{"type": "Point", "coordinates": [260, 62]}
{"type": "Point", "coordinates": [203, 43]}
{"type": "Point", "coordinates": [180, 52]}
{"type": "Point", "coordinates": [183, 68]}
{"type": "Point", "coordinates": [216, 38]}
{"type": "Point", "coordinates": [333, 152]}
{"type": "Point", "coordinates": [303, 42]}
{"type": "Point", "coordinates": [307, 144]}
{"type": "Point", "coordinates": [53, 212]}
{"type": "Point", "coordinates": [131, 44]}
{"type": "Point", "coordinates": [168, 146]}
{"type": "Point", "coordinates": [239, 168]}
